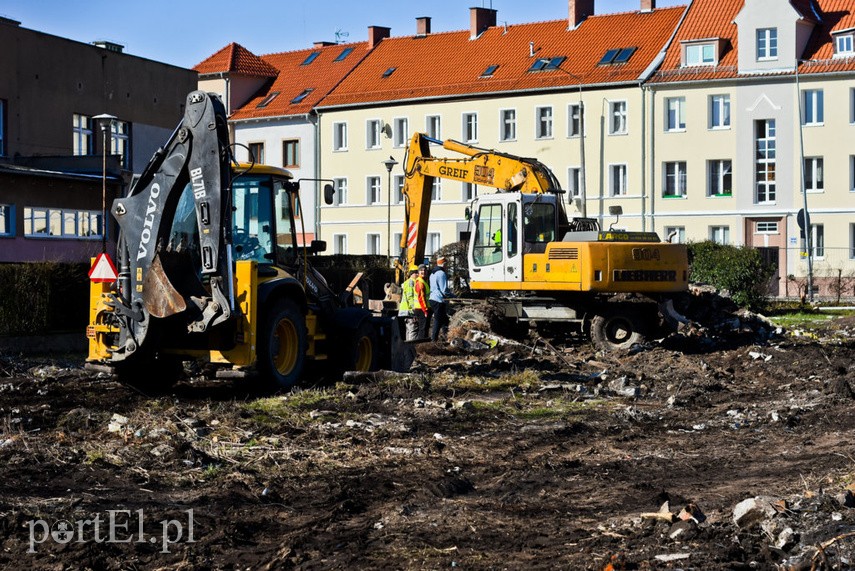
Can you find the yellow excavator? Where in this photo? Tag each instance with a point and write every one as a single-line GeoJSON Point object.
{"type": "Point", "coordinates": [536, 264]}
{"type": "Point", "coordinates": [212, 269]}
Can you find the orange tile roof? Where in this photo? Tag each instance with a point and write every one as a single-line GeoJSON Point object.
{"type": "Point", "coordinates": [450, 64]}
{"type": "Point", "coordinates": [294, 78]}
{"type": "Point", "coordinates": [234, 58]}
{"type": "Point", "coordinates": [715, 19]}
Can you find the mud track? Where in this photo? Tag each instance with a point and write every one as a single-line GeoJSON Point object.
{"type": "Point", "coordinates": [501, 459]}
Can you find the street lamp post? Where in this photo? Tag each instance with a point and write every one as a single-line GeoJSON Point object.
{"type": "Point", "coordinates": [106, 122]}
{"type": "Point", "coordinates": [807, 229]}
{"type": "Point", "coordinates": [389, 164]}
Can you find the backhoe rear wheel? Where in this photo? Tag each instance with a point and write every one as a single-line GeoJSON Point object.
{"type": "Point", "coordinates": [282, 344]}
{"type": "Point", "coordinates": [618, 330]}
{"type": "Point", "coordinates": [362, 350]}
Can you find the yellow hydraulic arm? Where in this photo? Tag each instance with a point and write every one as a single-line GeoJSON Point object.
{"type": "Point", "coordinates": [481, 166]}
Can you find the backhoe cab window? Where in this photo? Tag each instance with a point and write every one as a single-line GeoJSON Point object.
{"type": "Point", "coordinates": [252, 229]}
{"type": "Point", "coordinates": [539, 222]}
{"type": "Point", "coordinates": [487, 249]}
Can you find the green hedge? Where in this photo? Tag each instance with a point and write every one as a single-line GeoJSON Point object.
{"type": "Point", "coordinates": [43, 297]}
{"type": "Point", "coordinates": [739, 270]}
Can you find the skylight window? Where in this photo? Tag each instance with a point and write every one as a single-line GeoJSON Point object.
{"type": "Point", "coordinates": [546, 63]}
{"type": "Point", "coordinates": [617, 55]}
{"type": "Point", "coordinates": [267, 100]}
{"type": "Point", "coordinates": [491, 69]}
{"type": "Point", "coordinates": [311, 58]}
{"type": "Point", "coordinates": [302, 96]}
{"type": "Point", "coordinates": [389, 71]}
{"type": "Point", "coordinates": [346, 52]}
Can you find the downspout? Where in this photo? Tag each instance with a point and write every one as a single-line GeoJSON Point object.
{"type": "Point", "coordinates": [652, 160]}
{"type": "Point", "coordinates": [317, 175]}
{"type": "Point", "coordinates": [643, 155]}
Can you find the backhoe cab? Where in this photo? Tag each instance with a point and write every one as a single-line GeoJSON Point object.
{"type": "Point", "coordinates": [535, 263]}
{"type": "Point", "coordinates": [212, 267]}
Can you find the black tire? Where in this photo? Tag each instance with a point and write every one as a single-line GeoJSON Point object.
{"type": "Point", "coordinates": [153, 376]}
{"type": "Point", "coordinates": [362, 349]}
{"type": "Point", "coordinates": [468, 316]}
{"type": "Point", "coordinates": [282, 344]}
{"type": "Point", "coordinates": [618, 330]}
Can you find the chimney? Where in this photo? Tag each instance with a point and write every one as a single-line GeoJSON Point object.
{"type": "Point", "coordinates": [376, 34]}
{"type": "Point", "coordinates": [579, 10]}
{"type": "Point", "coordinates": [422, 26]}
{"type": "Point", "coordinates": [648, 5]}
{"type": "Point", "coordinates": [323, 44]}
{"type": "Point", "coordinates": [479, 20]}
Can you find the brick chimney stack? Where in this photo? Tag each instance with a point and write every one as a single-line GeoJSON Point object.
{"type": "Point", "coordinates": [479, 20]}
{"type": "Point", "coordinates": [422, 26]}
{"type": "Point", "coordinates": [648, 5]}
{"type": "Point", "coordinates": [579, 10]}
{"type": "Point", "coordinates": [377, 34]}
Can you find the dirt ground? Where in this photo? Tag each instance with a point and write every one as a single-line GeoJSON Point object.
{"type": "Point", "coordinates": [515, 457]}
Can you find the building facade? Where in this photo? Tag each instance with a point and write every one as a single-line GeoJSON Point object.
{"type": "Point", "coordinates": [52, 142]}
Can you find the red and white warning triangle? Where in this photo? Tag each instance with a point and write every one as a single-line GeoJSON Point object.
{"type": "Point", "coordinates": [103, 270]}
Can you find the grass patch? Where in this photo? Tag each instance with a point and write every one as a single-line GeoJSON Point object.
{"type": "Point", "coordinates": [553, 409]}
{"type": "Point", "coordinates": [524, 380]}
{"type": "Point", "coordinates": [803, 320]}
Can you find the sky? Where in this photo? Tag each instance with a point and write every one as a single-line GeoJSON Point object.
{"type": "Point", "coordinates": [185, 33]}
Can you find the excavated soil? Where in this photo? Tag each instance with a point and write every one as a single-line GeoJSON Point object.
{"type": "Point", "coordinates": [513, 457]}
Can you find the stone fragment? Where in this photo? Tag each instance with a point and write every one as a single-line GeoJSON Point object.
{"type": "Point", "coordinates": [753, 510]}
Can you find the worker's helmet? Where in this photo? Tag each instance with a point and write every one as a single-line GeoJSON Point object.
{"type": "Point", "coordinates": [413, 268]}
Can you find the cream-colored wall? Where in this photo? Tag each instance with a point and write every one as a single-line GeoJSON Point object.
{"type": "Point", "coordinates": [559, 153]}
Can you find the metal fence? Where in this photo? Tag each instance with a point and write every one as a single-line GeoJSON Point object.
{"type": "Point", "coordinates": [833, 274]}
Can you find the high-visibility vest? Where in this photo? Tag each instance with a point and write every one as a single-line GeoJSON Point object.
{"type": "Point", "coordinates": [408, 295]}
{"type": "Point", "coordinates": [422, 291]}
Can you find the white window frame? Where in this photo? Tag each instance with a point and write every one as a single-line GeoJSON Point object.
{"type": "Point", "coordinates": [82, 132]}
{"type": "Point", "coordinates": [436, 190]}
{"type": "Point", "coordinates": [340, 196]}
{"type": "Point", "coordinates": [768, 183]}
{"type": "Point", "coordinates": [396, 243]}
{"type": "Point", "coordinates": [618, 118]}
{"type": "Point", "coordinates": [813, 112]}
{"type": "Point", "coordinates": [720, 105]}
{"type": "Point", "coordinates": [373, 190]}
{"type": "Point", "coordinates": [720, 234]}
{"type": "Point", "coordinates": [372, 244]}
{"type": "Point", "coordinates": [372, 134]}
{"type": "Point", "coordinates": [718, 170]}
{"type": "Point", "coordinates": [766, 227]}
{"type": "Point", "coordinates": [851, 173]}
{"type": "Point", "coordinates": [7, 220]}
{"type": "Point", "coordinates": [695, 55]}
{"type": "Point", "coordinates": [433, 243]}
{"type": "Point", "coordinates": [674, 179]}
{"type": "Point", "coordinates": [680, 238]}
{"type": "Point", "coordinates": [400, 131]}
{"type": "Point", "coordinates": [817, 241]}
{"type": "Point", "coordinates": [507, 125]}
{"type": "Point", "coordinates": [675, 114]}
{"type": "Point", "coordinates": [844, 45]}
{"type": "Point", "coordinates": [340, 244]}
{"type": "Point", "coordinates": [120, 141]}
{"type": "Point", "coordinates": [574, 120]}
{"type": "Point", "coordinates": [339, 136]}
{"type": "Point", "coordinates": [574, 187]}
{"type": "Point", "coordinates": [467, 191]}
{"type": "Point", "coordinates": [768, 39]}
{"type": "Point", "coordinates": [433, 126]}
{"type": "Point", "coordinates": [543, 122]}
{"type": "Point", "coordinates": [852, 241]}
{"type": "Point", "coordinates": [398, 188]}
{"type": "Point", "coordinates": [63, 224]}
{"type": "Point", "coordinates": [618, 174]}
{"type": "Point", "coordinates": [814, 174]}
{"type": "Point", "coordinates": [469, 127]}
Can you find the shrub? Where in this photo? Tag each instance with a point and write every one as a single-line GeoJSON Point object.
{"type": "Point", "coordinates": [42, 297]}
{"type": "Point", "coordinates": [738, 269]}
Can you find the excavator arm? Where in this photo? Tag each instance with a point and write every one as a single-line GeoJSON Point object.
{"type": "Point", "coordinates": [503, 171]}
{"type": "Point", "coordinates": [156, 281]}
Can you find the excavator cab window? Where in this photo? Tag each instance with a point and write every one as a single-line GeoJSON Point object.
{"type": "Point", "coordinates": [487, 248]}
{"type": "Point", "coordinates": [512, 247]}
{"type": "Point", "coordinates": [539, 222]}
{"type": "Point", "coordinates": [252, 218]}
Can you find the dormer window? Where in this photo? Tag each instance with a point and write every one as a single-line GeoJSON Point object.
{"type": "Point", "coordinates": [699, 54]}
{"type": "Point", "coordinates": [267, 100]}
{"type": "Point", "coordinates": [546, 63]}
{"type": "Point", "coordinates": [844, 45]}
{"type": "Point", "coordinates": [310, 58]}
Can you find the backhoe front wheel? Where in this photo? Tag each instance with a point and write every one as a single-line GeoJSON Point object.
{"type": "Point", "coordinates": [617, 330]}
{"type": "Point", "coordinates": [282, 344]}
{"type": "Point", "coordinates": [362, 349]}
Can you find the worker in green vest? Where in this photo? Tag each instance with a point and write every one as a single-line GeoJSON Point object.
{"type": "Point", "coordinates": [408, 303]}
